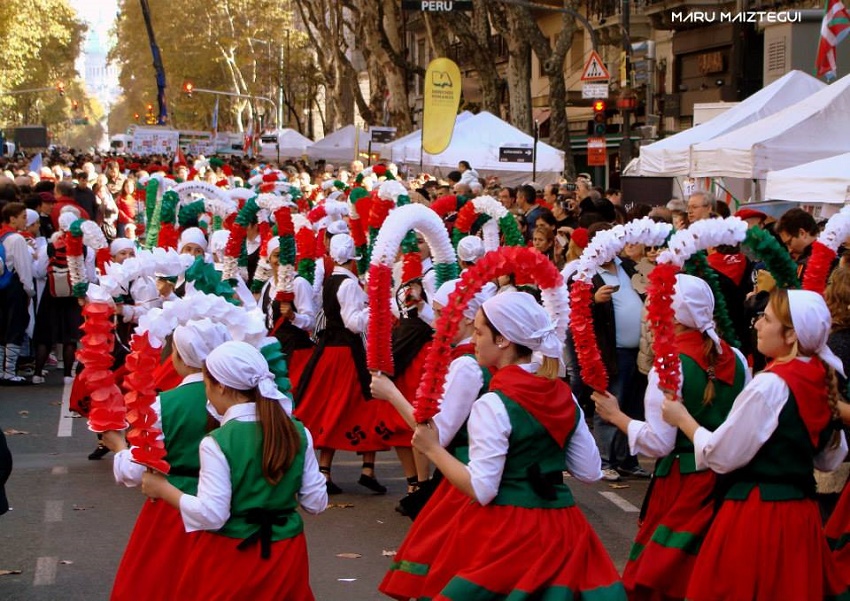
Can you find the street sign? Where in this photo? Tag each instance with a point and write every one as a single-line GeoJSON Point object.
{"type": "Point", "coordinates": [516, 154]}
{"type": "Point", "coordinates": [436, 6]}
{"type": "Point", "coordinates": [594, 69]}
{"type": "Point", "coordinates": [382, 135]}
{"type": "Point", "coordinates": [594, 90]}
{"type": "Point", "coordinates": [597, 152]}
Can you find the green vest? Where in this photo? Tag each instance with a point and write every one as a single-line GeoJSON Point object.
{"type": "Point", "coordinates": [184, 414]}
{"type": "Point", "coordinates": [242, 445]}
{"type": "Point", "coordinates": [459, 446]}
{"type": "Point", "coordinates": [710, 416]}
{"type": "Point", "coordinates": [532, 450]}
{"type": "Point", "coordinates": [783, 468]}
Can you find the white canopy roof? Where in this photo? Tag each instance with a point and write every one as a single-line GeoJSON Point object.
{"type": "Point", "coordinates": [824, 181]}
{"type": "Point", "coordinates": [292, 143]}
{"type": "Point", "coordinates": [672, 156]}
{"type": "Point", "coordinates": [812, 129]}
{"type": "Point", "coordinates": [396, 149]}
{"type": "Point", "coordinates": [339, 146]}
{"type": "Point", "coordinates": [478, 140]}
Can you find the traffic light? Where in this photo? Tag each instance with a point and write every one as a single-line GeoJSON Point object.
{"type": "Point", "coordinates": [60, 87]}
{"type": "Point", "coordinates": [188, 87]}
{"type": "Point", "coordinates": [75, 106]}
{"type": "Point", "coordinates": [136, 116]}
{"type": "Point", "coordinates": [150, 108]}
{"type": "Point", "coordinates": [600, 118]}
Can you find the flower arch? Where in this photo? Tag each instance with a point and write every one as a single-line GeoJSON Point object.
{"type": "Point", "coordinates": [495, 218]}
{"type": "Point", "coordinates": [825, 249]}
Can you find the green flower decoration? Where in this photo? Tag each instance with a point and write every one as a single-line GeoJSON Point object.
{"type": "Point", "coordinates": [776, 258]}
{"type": "Point", "coordinates": [698, 266]}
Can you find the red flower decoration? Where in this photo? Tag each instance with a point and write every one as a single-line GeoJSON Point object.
{"type": "Point", "coordinates": [379, 211]}
{"type": "Point", "coordinates": [411, 267]}
{"type": "Point", "coordinates": [379, 170]}
{"type": "Point", "coordinates": [107, 403]}
{"type": "Point", "coordinates": [270, 177]}
{"type": "Point", "coordinates": [283, 217]}
{"type": "Point", "coordinates": [593, 371]}
{"type": "Point", "coordinates": [660, 290]}
{"type": "Point", "coordinates": [73, 245]}
{"type": "Point", "coordinates": [148, 449]}
{"type": "Point", "coordinates": [305, 244]}
{"type": "Point", "coordinates": [102, 257]}
{"type": "Point", "coordinates": [817, 267]}
{"type": "Point", "coordinates": [445, 205]}
{"type": "Point", "coordinates": [234, 242]}
{"type": "Point", "coordinates": [466, 218]}
{"type": "Point", "coordinates": [317, 214]}
{"type": "Point", "coordinates": [168, 236]}
{"type": "Point", "coordinates": [379, 356]}
{"type": "Point", "coordinates": [265, 230]}
{"type": "Point", "coordinates": [267, 188]}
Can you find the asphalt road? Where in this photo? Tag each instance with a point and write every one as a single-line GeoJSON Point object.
{"type": "Point", "coordinates": [70, 521]}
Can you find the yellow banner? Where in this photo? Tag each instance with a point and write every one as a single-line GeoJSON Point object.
{"type": "Point", "coordinates": [442, 98]}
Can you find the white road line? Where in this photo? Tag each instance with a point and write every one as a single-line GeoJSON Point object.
{"type": "Point", "coordinates": [45, 571]}
{"type": "Point", "coordinates": [52, 511]}
{"type": "Point", "coordinates": [66, 421]}
{"type": "Point", "coordinates": [620, 502]}
{"type": "Point", "coordinates": [59, 470]}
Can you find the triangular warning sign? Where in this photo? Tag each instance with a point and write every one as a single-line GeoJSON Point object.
{"type": "Point", "coordinates": [594, 69]}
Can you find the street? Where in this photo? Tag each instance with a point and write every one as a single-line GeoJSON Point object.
{"type": "Point", "coordinates": [70, 521]}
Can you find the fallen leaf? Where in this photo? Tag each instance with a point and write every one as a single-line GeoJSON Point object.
{"type": "Point", "coordinates": [619, 486]}
{"type": "Point", "coordinates": [12, 432]}
{"type": "Point", "coordinates": [386, 553]}
{"type": "Point", "coordinates": [379, 521]}
{"type": "Point", "coordinates": [66, 562]}
{"type": "Point", "coordinates": [56, 403]}
{"type": "Point", "coordinates": [340, 505]}
{"type": "Point", "coordinates": [82, 507]}
{"type": "Point", "coordinates": [349, 555]}
{"type": "Point", "coordinates": [346, 579]}
{"type": "Point", "coordinates": [9, 572]}
{"type": "Point", "coordinates": [23, 413]}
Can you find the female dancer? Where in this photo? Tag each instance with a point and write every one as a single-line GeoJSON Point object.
{"type": "Point", "coordinates": [251, 481]}
{"type": "Point", "coordinates": [678, 510]}
{"type": "Point", "coordinates": [766, 540]}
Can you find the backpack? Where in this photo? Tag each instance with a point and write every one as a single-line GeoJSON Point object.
{"type": "Point", "coordinates": [6, 274]}
{"type": "Point", "coordinates": [58, 274]}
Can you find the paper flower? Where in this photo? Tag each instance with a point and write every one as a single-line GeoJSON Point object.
{"type": "Point", "coordinates": [107, 404]}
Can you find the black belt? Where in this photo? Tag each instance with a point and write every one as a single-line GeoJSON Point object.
{"type": "Point", "coordinates": [184, 472]}
{"type": "Point", "coordinates": [542, 484]}
{"type": "Point", "coordinates": [265, 519]}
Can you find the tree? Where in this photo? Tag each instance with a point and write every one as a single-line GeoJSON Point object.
{"type": "Point", "coordinates": [508, 22]}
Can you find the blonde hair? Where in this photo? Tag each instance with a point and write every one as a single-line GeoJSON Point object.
{"type": "Point", "coordinates": [837, 298]}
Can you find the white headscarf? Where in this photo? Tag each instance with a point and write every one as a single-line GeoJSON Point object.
{"type": "Point", "coordinates": [338, 226]}
{"type": "Point", "coordinates": [192, 235]}
{"type": "Point", "coordinates": [240, 366]}
{"type": "Point", "coordinates": [693, 304]}
{"type": "Point", "coordinates": [442, 294]}
{"type": "Point", "coordinates": [812, 322]}
{"type": "Point", "coordinates": [272, 245]}
{"type": "Point", "coordinates": [518, 317]}
{"type": "Point", "coordinates": [119, 244]}
{"type": "Point", "coordinates": [196, 339]}
{"type": "Point", "coordinates": [218, 241]}
{"type": "Point", "coordinates": [342, 249]}
{"type": "Point", "coordinates": [470, 249]}
{"type": "Point", "coordinates": [32, 217]}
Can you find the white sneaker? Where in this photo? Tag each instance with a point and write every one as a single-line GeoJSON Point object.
{"type": "Point", "coordinates": [610, 475]}
{"type": "Point", "coordinates": [37, 380]}
{"type": "Point", "coordinates": [68, 379]}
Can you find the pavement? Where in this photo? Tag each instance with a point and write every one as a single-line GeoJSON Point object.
{"type": "Point", "coordinates": [70, 522]}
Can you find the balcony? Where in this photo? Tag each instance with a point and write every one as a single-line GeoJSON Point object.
{"type": "Point", "coordinates": [605, 16]}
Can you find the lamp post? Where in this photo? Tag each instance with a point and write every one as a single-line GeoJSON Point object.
{"type": "Point", "coordinates": [279, 109]}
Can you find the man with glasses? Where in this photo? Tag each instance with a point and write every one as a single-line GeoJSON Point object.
{"type": "Point", "coordinates": [701, 205]}
{"type": "Point", "coordinates": [797, 229]}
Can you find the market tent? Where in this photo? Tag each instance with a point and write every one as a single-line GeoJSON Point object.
{"type": "Point", "coordinates": [823, 181]}
{"type": "Point", "coordinates": [812, 129]}
{"type": "Point", "coordinates": [397, 149]}
{"type": "Point", "coordinates": [478, 140]}
{"type": "Point", "coordinates": [672, 156]}
{"type": "Point", "coordinates": [292, 143]}
{"type": "Point", "coordinates": [341, 146]}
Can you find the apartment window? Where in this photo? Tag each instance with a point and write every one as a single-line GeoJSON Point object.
{"type": "Point", "coordinates": [776, 54]}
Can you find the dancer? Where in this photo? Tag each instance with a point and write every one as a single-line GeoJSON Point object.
{"type": "Point", "coordinates": [767, 540]}
{"type": "Point", "coordinates": [677, 508]}
{"type": "Point", "coordinates": [251, 481]}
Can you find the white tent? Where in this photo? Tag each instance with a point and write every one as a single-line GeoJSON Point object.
{"type": "Point", "coordinates": [395, 150]}
{"type": "Point", "coordinates": [340, 145]}
{"type": "Point", "coordinates": [478, 140]}
{"type": "Point", "coordinates": [672, 156]}
{"type": "Point", "coordinates": [812, 129]}
{"type": "Point", "coordinates": [825, 181]}
{"type": "Point", "coordinates": [292, 143]}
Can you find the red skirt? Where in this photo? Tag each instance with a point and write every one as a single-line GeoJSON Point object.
{"type": "Point", "coordinates": [216, 571]}
{"type": "Point", "coordinates": [158, 546]}
{"type": "Point", "coordinates": [398, 433]}
{"type": "Point", "coordinates": [765, 550]}
{"type": "Point", "coordinates": [493, 552]}
{"type": "Point", "coordinates": [423, 543]}
{"type": "Point", "coordinates": [838, 534]}
{"type": "Point", "coordinates": [297, 362]}
{"type": "Point", "coordinates": [678, 516]}
{"type": "Point", "coordinates": [334, 409]}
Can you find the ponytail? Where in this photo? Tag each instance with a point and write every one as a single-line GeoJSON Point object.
{"type": "Point", "coordinates": [709, 352]}
{"type": "Point", "coordinates": [548, 369]}
{"type": "Point", "coordinates": [281, 440]}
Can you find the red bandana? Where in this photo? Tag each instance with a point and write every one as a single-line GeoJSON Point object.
{"type": "Point", "coordinates": [732, 266]}
{"type": "Point", "coordinates": [691, 344]}
{"type": "Point", "coordinates": [549, 401]}
{"type": "Point", "coordinates": [807, 381]}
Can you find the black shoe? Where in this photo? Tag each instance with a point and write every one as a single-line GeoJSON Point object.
{"type": "Point", "coordinates": [99, 453]}
{"type": "Point", "coordinates": [400, 508]}
{"type": "Point", "coordinates": [372, 484]}
{"type": "Point", "coordinates": [633, 472]}
{"type": "Point", "coordinates": [333, 489]}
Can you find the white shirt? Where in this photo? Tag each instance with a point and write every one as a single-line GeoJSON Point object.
{"type": "Point", "coordinates": [463, 383]}
{"type": "Point", "coordinates": [353, 302]}
{"type": "Point", "coordinates": [489, 430]}
{"type": "Point", "coordinates": [127, 472]}
{"type": "Point", "coordinates": [751, 422]}
{"type": "Point", "coordinates": [429, 287]}
{"type": "Point", "coordinates": [655, 437]}
{"type": "Point", "coordinates": [19, 260]}
{"type": "Point", "coordinates": [305, 317]}
{"type": "Point", "coordinates": [210, 509]}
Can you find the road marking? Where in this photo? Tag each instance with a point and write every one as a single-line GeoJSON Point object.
{"type": "Point", "coordinates": [45, 571]}
{"type": "Point", "coordinates": [620, 502]}
{"type": "Point", "coordinates": [52, 511]}
{"type": "Point", "coordinates": [66, 421]}
{"type": "Point", "coordinates": [59, 470]}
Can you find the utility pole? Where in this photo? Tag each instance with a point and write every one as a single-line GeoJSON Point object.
{"type": "Point", "coordinates": [157, 65]}
{"type": "Point", "coordinates": [625, 101]}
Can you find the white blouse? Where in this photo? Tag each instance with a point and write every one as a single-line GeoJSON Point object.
{"type": "Point", "coordinates": [489, 430]}
{"type": "Point", "coordinates": [463, 383]}
{"type": "Point", "coordinates": [753, 419]}
{"type": "Point", "coordinates": [210, 509]}
{"type": "Point", "coordinates": [655, 437]}
{"type": "Point", "coordinates": [352, 301]}
{"type": "Point", "coordinates": [305, 317]}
